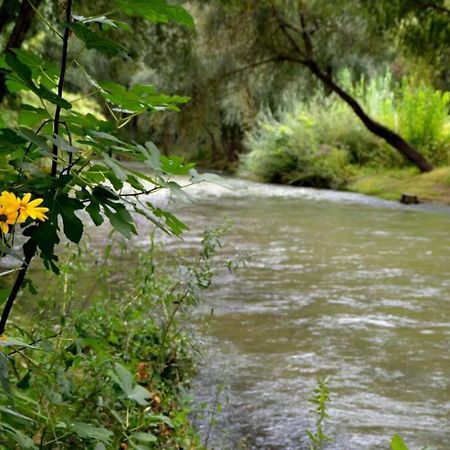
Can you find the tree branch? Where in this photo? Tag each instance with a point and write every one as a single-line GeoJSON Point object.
{"type": "Point", "coordinates": [62, 74]}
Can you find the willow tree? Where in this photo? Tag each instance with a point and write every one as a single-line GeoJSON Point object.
{"type": "Point", "coordinates": [319, 36]}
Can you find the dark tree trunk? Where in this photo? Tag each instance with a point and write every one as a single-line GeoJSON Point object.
{"type": "Point", "coordinates": [21, 27]}
{"type": "Point", "coordinates": [7, 13]}
{"type": "Point", "coordinates": [232, 137]}
{"type": "Point", "coordinates": [392, 138]}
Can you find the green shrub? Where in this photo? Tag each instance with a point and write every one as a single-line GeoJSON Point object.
{"type": "Point", "coordinates": [307, 144]}
{"type": "Point", "coordinates": [415, 110]}
{"type": "Point", "coordinates": [312, 143]}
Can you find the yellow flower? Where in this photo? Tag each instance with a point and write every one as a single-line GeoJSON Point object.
{"type": "Point", "coordinates": [8, 217]}
{"type": "Point", "coordinates": [3, 337]}
{"type": "Point", "coordinates": [9, 201]}
{"type": "Point", "coordinates": [31, 209]}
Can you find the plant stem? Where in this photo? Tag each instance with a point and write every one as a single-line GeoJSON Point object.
{"type": "Point", "coordinates": [60, 86]}
{"type": "Point", "coordinates": [16, 288]}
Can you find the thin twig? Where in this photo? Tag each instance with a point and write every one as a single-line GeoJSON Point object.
{"type": "Point", "coordinates": [61, 85]}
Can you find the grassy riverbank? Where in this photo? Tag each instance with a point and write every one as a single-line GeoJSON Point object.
{"type": "Point", "coordinates": [390, 184]}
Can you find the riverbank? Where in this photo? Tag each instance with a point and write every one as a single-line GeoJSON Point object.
{"type": "Point", "coordinates": [390, 184]}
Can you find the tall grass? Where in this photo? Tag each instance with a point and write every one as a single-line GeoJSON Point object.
{"type": "Point", "coordinates": [314, 142]}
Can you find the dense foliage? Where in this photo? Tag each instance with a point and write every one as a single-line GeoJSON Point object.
{"type": "Point", "coordinates": [318, 141]}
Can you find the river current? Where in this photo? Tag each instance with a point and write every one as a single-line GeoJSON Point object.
{"type": "Point", "coordinates": [338, 285]}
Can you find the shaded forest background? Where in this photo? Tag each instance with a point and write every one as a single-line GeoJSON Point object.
{"type": "Point", "coordinates": [241, 68]}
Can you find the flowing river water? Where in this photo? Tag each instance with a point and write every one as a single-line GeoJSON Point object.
{"type": "Point", "coordinates": [338, 285]}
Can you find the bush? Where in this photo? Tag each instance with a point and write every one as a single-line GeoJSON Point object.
{"type": "Point", "coordinates": [114, 374]}
{"type": "Point", "coordinates": [303, 145]}
{"type": "Point", "coordinates": [415, 110]}
{"type": "Point", "coordinates": [312, 143]}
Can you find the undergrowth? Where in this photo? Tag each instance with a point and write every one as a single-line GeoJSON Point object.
{"type": "Point", "coordinates": [110, 368]}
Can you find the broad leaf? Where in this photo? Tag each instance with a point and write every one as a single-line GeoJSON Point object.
{"type": "Point", "coordinates": [156, 11]}
{"type": "Point", "coordinates": [24, 74]}
{"type": "Point", "coordinates": [88, 431]}
{"type": "Point", "coordinates": [124, 379]}
{"type": "Point", "coordinates": [73, 226]}
{"type": "Point", "coordinates": [96, 41]}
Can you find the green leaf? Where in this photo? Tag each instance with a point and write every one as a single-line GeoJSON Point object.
{"type": "Point", "coordinates": [13, 413]}
{"type": "Point", "coordinates": [24, 74]}
{"type": "Point", "coordinates": [30, 116]}
{"type": "Point", "coordinates": [176, 226]}
{"type": "Point", "coordinates": [88, 431]}
{"type": "Point", "coordinates": [144, 437]}
{"type": "Point", "coordinates": [124, 379]}
{"type": "Point", "coordinates": [38, 140]}
{"type": "Point", "coordinates": [73, 226]}
{"type": "Point", "coordinates": [175, 165]}
{"type": "Point", "coordinates": [21, 439]}
{"type": "Point", "coordinates": [139, 98]}
{"type": "Point", "coordinates": [93, 209]}
{"type": "Point", "coordinates": [120, 218]}
{"type": "Point", "coordinates": [13, 342]}
{"type": "Point", "coordinates": [161, 418]}
{"type": "Point", "coordinates": [96, 41]}
{"type": "Point", "coordinates": [156, 11]}
{"type": "Point", "coordinates": [397, 443]}
{"type": "Point", "coordinates": [4, 294]}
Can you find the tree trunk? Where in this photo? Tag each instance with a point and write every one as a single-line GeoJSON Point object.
{"type": "Point", "coordinates": [7, 12]}
{"type": "Point", "coordinates": [392, 138]}
{"type": "Point", "coordinates": [21, 27]}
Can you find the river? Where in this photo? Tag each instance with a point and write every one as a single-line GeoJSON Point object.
{"type": "Point", "coordinates": [339, 285]}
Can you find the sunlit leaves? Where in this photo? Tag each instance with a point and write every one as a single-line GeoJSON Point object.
{"type": "Point", "coordinates": [156, 11]}
{"type": "Point", "coordinates": [139, 98]}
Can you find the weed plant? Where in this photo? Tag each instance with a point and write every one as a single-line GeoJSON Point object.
{"type": "Point", "coordinates": [111, 368]}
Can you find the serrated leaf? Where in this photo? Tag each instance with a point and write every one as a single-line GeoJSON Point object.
{"type": "Point", "coordinates": [24, 74]}
{"type": "Point", "coordinates": [38, 140]}
{"type": "Point", "coordinates": [13, 342]}
{"type": "Point", "coordinates": [124, 379]}
{"type": "Point", "coordinates": [161, 418]}
{"type": "Point", "coordinates": [20, 438]}
{"type": "Point", "coordinates": [175, 165]}
{"type": "Point", "coordinates": [14, 413]}
{"type": "Point", "coordinates": [64, 145]}
{"type": "Point", "coordinates": [175, 225]}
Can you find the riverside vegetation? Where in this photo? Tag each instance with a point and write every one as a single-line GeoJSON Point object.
{"type": "Point", "coordinates": [108, 366]}
{"type": "Point", "coordinates": [320, 143]}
